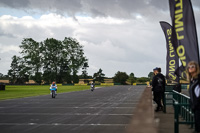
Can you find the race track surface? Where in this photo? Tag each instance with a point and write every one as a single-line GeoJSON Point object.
{"type": "Point", "coordinates": [106, 110]}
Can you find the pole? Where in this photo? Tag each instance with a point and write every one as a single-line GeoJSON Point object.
{"type": "Point", "coordinates": [176, 119]}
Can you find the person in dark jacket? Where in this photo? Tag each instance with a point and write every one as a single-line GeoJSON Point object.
{"type": "Point", "coordinates": [158, 84]}
{"type": "Point", "coordinates": [193, 77]}
{"type": "Point", "coordinates": [163, 85]}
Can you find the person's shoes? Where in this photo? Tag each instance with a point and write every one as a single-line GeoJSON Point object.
{"type": "Point", "coordinates": [161, 108]}
{"type": "Point", "coordinates": [157, 109]}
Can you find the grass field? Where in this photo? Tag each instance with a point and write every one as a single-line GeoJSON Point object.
{"type": "Point", "coordinates": [12, 92]}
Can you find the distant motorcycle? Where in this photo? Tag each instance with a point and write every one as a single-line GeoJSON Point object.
{"type": "Point", "coordinates": [92, 87]}
{"type": "Point", "coordinates": [53, 92]}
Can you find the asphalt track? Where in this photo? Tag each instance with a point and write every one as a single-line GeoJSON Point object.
{"type": "Point", "coordinates": [106, 110]}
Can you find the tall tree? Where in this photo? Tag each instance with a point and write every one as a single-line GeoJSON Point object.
{"type": "Point", "coordinates": [19, 72]}
{"type": "Point", "coordinates": [1, 76]}
{"type": "Point", "coordinates": [75, 56]}
{"type": "Point", "coordinates": [61, 58]}
{"type": "Point", "coordinates": [31, 52]}
{"type": "Point", "coordinates": [13, 72]}
{"type": "Point", "coordinates": [150, 75]}
{"type": "Point", "coordinates": [51, 57]}
{"type": "Point", "coordinates": [84, 73]}
{"type": "Point", "coordinates": [99, 76]}
{"type": "Point", "coordinates": [120, 77]}
{"type": "Point", "coordinates": [131, 78]}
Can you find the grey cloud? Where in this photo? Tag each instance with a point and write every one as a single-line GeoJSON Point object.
{"type": "Point", "coordinates": [160, 4]}
{"type": "Point", "coordinates": [114, 8]}
{"type": "Point", "coordinates": [15, 3]}
{"type": "Point", "coordinates": [6, 60]}
{"type": "Point", "coordinates": [7, 35]}
{"type": "Point", "coordinates": [70, 7]}
{"type": "Point", "coordinates": [138, 38]}
{"type": "Point", "coordinates": [196, 3]}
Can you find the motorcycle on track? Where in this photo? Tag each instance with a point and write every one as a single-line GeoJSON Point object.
{"type": "Point", "coordinates": [53, 90]}
{"type": "Point", "coordinates": [92, 86]}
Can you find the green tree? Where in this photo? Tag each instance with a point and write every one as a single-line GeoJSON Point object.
{"type": "Point", "coordinates": [59, 61]}
{"type": "Point", "coordinates": [64, 73]}
{"type": "Point", "coordinates": [19, 72]}
{"type": "Point", "coordinates": [143, 79]}
{"type": "Point", "coordinates": [5, 77]}
{"type": "Point", "coordinates": [120, 77]}
{"type": "Point", "coordinates": [150, 75]}
{"type": "Point", "coordinates": [99, 76]}
{"type": "Point", "coordinates": [75, 56]}
{"type": "Point", "coordinates": [1, 76]}
{"type": "Point", "coordinates": [61, 58]}
{"type": "Point", "coordinates": [131, 78]}
{"type": "Point", "coordinates": [37, 77]}
{"type": "Point", "coordinates": [84, 74]}
{"type": "Point", "coordinates": [51, 57]}
{"type": "Point", "coordinates": [13, 72]}
{"type": "Point", "coordinates": [31, 52]}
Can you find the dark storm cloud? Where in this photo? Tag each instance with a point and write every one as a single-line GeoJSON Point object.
{"type": "Point", "coordinates": [70, 7]}
{"type": "Point", "coordinates": [115, 8]}
{"type": "Point", "coordinates": [15, 3]}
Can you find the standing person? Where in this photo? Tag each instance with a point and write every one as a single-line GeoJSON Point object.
{"type": "Point", "coordinates": [158, 84]}
{"type": "Point", "coordinates": [193, 77]}
{"type": "Point", "coordinates": [163, 85]}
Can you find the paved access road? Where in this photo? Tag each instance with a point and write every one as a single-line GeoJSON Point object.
{"type": "Point", "coordinates": [106, 110]}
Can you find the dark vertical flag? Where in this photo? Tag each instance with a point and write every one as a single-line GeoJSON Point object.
{"type": "Point", "coordinates": [172, 58]}
{"type": "Point", "coordinates": [184, 35]}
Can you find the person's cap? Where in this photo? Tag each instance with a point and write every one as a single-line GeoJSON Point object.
{"type": "Point", "coordinates": [155, 68]}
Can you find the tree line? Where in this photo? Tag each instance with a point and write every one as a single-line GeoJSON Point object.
{"type": "Point", "coordinates": [60, 61]}
{"type": "Point", "coordinates": [49, 60]}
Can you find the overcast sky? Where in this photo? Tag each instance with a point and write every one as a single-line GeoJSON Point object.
{"type": "Point", "coordinates": [117, 35]}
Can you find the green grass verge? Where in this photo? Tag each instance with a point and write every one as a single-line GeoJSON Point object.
{"type": "Point", "coordinates": [12, 92]}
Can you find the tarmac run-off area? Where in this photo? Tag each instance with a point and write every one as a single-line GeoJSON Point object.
{"type": "Point", "coordinates": [106, 110]}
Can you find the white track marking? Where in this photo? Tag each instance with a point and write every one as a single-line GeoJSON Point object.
{"type": "Point", "coordinates": [73, 114]}
{"type": "Point", "coordinates": [79, 107]}
{"type": "Point", "coordinates": [57, 124]}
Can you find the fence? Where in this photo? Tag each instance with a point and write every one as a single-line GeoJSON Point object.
{"type": "Point", "coordinates": [181, 106]}
{"type": "Point", "coordinates": [168, 96]}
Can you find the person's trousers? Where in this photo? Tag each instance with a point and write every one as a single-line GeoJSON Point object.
{"type": "Point", "coordinates": [157, 98]}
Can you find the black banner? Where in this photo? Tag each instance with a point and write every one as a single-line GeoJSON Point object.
{"type": "Point", "coordinates": [184, 35]}
{"type": "Point", "coordinates": [181, 72]}
{"type": "Point", "coordinates": [172, 58]}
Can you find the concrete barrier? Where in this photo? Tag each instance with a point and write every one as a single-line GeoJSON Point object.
{"type": "Point", "coordinates": [143, 119]}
